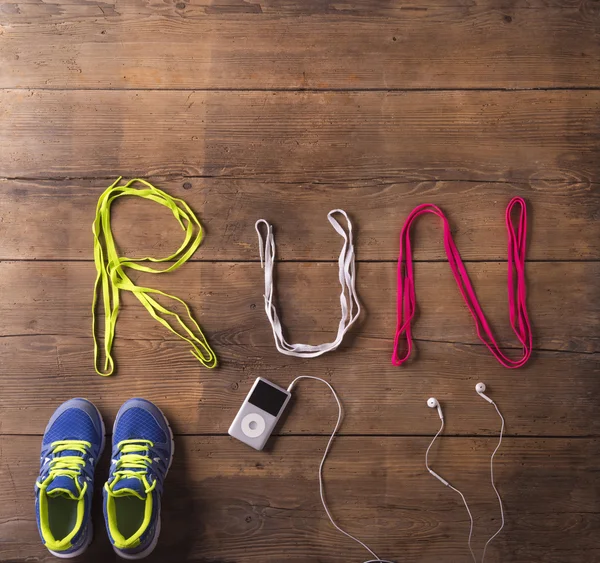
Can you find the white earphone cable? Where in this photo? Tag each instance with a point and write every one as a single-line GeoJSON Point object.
{"type": "Point", "coordinates": [493, 483]}
{"type": "Point", "coordinates": [443, 481]}
{"type": "Point", "coordinates": [350, 306]}
{"type": "Point", "coordinates": [375, 559]}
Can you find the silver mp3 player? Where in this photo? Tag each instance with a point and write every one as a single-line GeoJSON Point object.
{"type": "Point", "coordinates": [259, 413]}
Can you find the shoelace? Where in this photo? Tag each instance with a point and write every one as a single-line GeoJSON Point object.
{"type": "Point", "coordinates": [132, 464]}
{"type": "Point", "coordinates": [348, 298]}
{"type": "Point", "coordinates": [69, 465]}
{"type": "Point", "coordinates": [111, 275]}
{"type": "Point", "coordinates": [517, 287]}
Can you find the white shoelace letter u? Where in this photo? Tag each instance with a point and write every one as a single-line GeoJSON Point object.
{"type": "Point", "coordinates": [350, 305]}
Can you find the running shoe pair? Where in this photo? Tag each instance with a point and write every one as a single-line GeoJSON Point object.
{"type": "Point", "coordinates": [142, 454]}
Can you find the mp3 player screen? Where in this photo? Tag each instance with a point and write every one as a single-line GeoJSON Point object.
{"type": "Point", "coordinates": [267, 398]}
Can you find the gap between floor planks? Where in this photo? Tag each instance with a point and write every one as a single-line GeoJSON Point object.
{"type": "Point", "coordinates": [154, 178]}
{"type": "Point", "coordinates": [355, 435]}
{"type": "Point", "coordinates": [316, 90]}
{"type": "Point", "coordinates": [302, 261]}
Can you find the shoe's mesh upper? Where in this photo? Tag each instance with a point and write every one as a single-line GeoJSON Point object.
{"type": "Point", "coordinates": [73, 424]}
{"type": "Point", "coordinates": [136, 423]}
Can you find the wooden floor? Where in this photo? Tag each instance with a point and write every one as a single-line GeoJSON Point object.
{"type": "Point", "coordinates": [283, 110]}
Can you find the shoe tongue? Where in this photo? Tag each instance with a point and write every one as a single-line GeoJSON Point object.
{"type": "Point", "coordinates": [131, 486]}
{"type": "Point", "coordinates": [63, 486]}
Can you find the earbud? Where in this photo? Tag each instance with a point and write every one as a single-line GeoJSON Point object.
{"type": "Point", "coordinates": [433, 403]}
{"type": "Point", "coordinates": [480, 388]}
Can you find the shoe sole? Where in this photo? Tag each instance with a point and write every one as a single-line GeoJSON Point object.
{"type": "Point", "coordinates": [152, 546]}
{"type": "Point", "coordinates": [90, 537]}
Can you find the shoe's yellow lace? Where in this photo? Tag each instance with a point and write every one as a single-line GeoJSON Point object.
{"type": "Point", "coordinates": [111, 276]}
{"type": "Point", "coordinates": [68, 465]}
{"type": "Point", "coordinates": [133, 464]}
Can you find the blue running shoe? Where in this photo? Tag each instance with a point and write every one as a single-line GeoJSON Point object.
{"type": "Point", "coordinates": [72, 443]}
{"type": "Point", "coordinates": [141, 457]}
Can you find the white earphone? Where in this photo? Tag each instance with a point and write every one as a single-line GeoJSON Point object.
{"type": "Point", "coordinates": [433, 403]}
{"type": "Point", "coordinates": [480, 388]}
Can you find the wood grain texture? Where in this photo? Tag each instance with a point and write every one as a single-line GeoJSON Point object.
{"type": "Point", "coordinates": [554, 395]}
{"type": "Point", "coordinates": [44, 304]}
{"type": "Point", "coordinates": [48, 298]}
{"type": "Point", "coordinates": [299, 45]}
{"type": "Point", "coordinates": [302, 136]}
{"type": "Point", "coordinates": [563, 218]}
{"type": "Point", "coordinates": [285, 109]}
{"type": "Point", "coordinates": [225, 502]}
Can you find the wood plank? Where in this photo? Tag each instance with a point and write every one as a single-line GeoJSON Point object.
{"type": "Point", "coordinates": [47, 303]}
{"type": "Point", "coordinates": [48, 298]}
{"type": "Point", "coordinates": [358, 44]}
{"type": "Point", "coordinates": [302, 136]}
{"type": "Point", "coordinates": [226, 502]}
{"type": "Point", "coordinates": [52, 219]}
{"type": "Point", "coordinates": [556, 394]}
